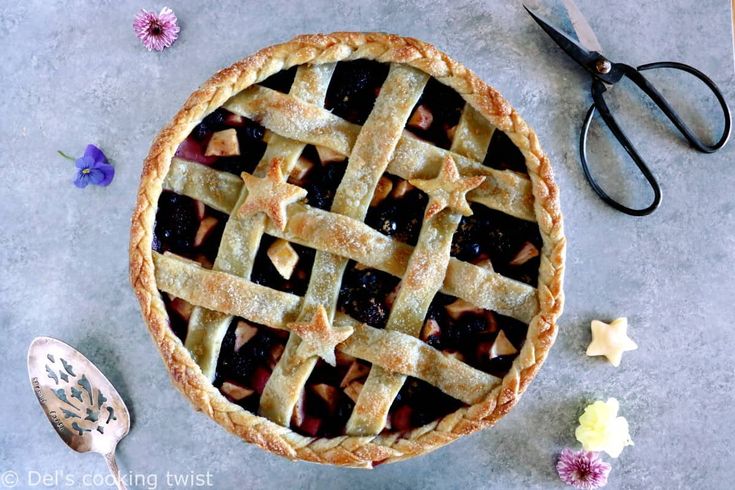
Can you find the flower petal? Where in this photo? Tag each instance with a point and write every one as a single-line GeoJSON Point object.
{"type": "Point", "coordinates": [156, 31]}
{"type": "Point", "coordinates": [95, 176]}
{"type": "Point", "coordinates": [600, 429]}
{"type": "Point", "coordinates": [108, 172]}
{"type": "Point", "coordinates": [613, 406]}
{"type": "Point", "coordinates": [167, 15]}
{"type": "Point", "coordinates": [95, 154]}
{"type": "Point", "coordinates": [81, 180]}
{"type": "Point", "coordinates": [582, 469]}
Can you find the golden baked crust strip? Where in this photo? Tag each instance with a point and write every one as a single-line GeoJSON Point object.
{"type": "Point", "coordinates": [296, 119]}
{"type": "Point", "coordinates": [286, 115]}
{"type": "Point", "coordinates": [472, 135]}
{"type": "Point", "coordinates": [424, 276]}
{"type": "Point", "coordinates": [217, 189]}
{"type": "Point", "coordinates": [242, 234]}
{"type": "Point", "coordinates": [394, 351]}
{"type": "Point", "coordinates": [368, 159]}
{"type": "Point", "coordinates": [344, 236]}
{"type": "Point", "coordinates": [341, 235]}
{"type": "Point", "coordinates": [425, 273]}
{"type": "Point", "coordinates": [188, 280]}
{"type": "Point", "coordinates": [503, 190]}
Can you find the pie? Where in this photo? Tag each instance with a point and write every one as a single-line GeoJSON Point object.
{"type": "Point", "coordinates": [349, 249]}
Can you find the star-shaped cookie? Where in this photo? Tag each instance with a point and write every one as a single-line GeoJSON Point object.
{"type": "Point", "coordinates": [610, 340]}
{"type": "Point", "coordinates": [270, 195]}
{"type": "Point", "coordinates": [318, 338]}
{"type": "Point", "coordinates": [448, 189]}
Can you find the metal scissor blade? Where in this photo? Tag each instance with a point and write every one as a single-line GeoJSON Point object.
{"type": "Point", "coordinates": [578, 53]}
{"type": "Point", "coordinates": [585, 34]}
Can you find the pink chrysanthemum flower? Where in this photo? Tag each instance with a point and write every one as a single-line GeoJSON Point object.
{"type": "Point", "coordinates": [582, 469]}
{"type": "Point", "coordinates": [156, 31]}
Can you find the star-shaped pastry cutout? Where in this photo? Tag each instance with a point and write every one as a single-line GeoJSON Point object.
{"type": "Point", "coordinates": [448, 189]}
{"type": "Point", "coordinates": [270, 195]}
{"type": "Point", "coordinates": [318, 338]}
{"type": "Point", "coordinates": [610, 340]}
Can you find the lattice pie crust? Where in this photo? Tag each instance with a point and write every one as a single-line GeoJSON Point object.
{"type": "Point", "coordinates": [380, 145]}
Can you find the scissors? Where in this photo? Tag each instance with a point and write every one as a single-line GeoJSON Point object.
{"type": "Point", "coordinates": [605, 73]}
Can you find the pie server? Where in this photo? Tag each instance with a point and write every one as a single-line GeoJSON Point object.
{"type": "Point", "coordinates": [81, 404]}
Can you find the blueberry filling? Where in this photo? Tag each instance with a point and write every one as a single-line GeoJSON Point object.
{"type": "Point", "coordinates": [444, 106]}
{"type": "Point", "coordinates": [322, 180]}
{"type": "Point", "coordinates": [400, 214]}
{"type": "Point", "coordinates": [207, 251]}
{"type": "Point", "coordinates": [365, 294]}
{"type": "Point", "coordinates": [419, 403]}
{"type": "Point", "coordinates": [248, 365]}
{"type": "Point", "coordinates": [249, 135]}
{"type": "Point", "coordinates": [176, 223]}
{"type": "Point", "coordinates": [187, 227]}
{"type": "Point", "coordinates": [501, 238]}
{"type": "Point", "coordinates": [210, 124]}
{"type": "Point", "coordinates": [251, 153]}
{"type": "Point", "coordinates": [469, 333]}
{"type": "Point", "coordinates": [354, 87]}
{"type": "Point", "coordinates": [325, 406]}
{"type": "Point", "coordinates": [252, 147]}
{"type": "Point", "coordinates": [464, 330]}
{"type": "Point", "coordinates": [265, 273]}
{"type": "Point", "coordinates": [280, 81]}
{"type": "Point", "coordinates": [502, 154]}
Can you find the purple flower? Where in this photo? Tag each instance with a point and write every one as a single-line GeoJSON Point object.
{"type": "Point", "coordinates": [92, 168]}
{"type": "Point", "coordinates": [582, 469]}
{"type": "Point", "coordinates": [156, 31]}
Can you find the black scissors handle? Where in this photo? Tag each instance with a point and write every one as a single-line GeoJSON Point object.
{"type": "Point", "coordinates": [633, 74]}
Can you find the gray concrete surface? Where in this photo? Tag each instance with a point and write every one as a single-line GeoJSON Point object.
{"type": "Point", "coordinates": [74, 73]}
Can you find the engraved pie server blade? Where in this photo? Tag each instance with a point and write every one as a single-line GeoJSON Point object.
{"type": "Point", "coordinates": [81, 404]}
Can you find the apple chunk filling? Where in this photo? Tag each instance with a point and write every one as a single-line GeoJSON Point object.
{"type": "Point", "coordinates": [327, 155]}
{"type": "Point", "coordinates": [243, 333]}
{"type": "Point", "coordinates": [484, 339]}
{"type": "Point", "coordinates": [502, 346]}
{"type": "Point", "coordinates": [235, 392]}
{"type": "Point", "coordinates": [329, 396]}
{"type": "Point", "coordinates": [223, 144]}
{"type": "Point", "coordinates": [246, 361]}
{"type": "Point", "coordinates": [283, 257]}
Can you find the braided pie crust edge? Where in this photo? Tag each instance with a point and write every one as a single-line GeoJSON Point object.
{"type": "Point", "coordinates": [350, 450]}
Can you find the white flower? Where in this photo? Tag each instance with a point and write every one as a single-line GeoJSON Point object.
{"type": "Point", "coordinates": [600, 428]}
